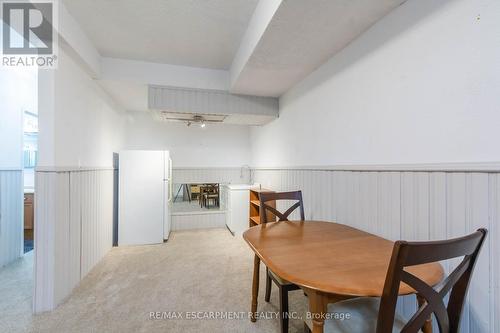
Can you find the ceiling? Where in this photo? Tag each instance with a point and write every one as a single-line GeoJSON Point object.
{"type": "Point", "coordinates": [303, 35]}
{"type": "Point", "coordinates": [242, 47]}
{"type": "Point", "coordinates": [198, 33]}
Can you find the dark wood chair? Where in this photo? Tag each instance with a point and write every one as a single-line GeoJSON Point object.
{"type": "Point", "coordinates": [379, 314]}
{"type": "Point", "coordinates": [211, 194]}
{"type": "Point", "coordinates": [201, 197]}
{"type": "Point", "coordinates": [269, 213]}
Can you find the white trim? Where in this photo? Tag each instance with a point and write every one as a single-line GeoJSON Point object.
{"type": "Point", "coordinates": [423, 167]}
{"type": "Point", "coordinates": [199, 212]}
{"type": "Point", "coordinates": [71, 169]}
{"type": "Point", "coordinates": [209, 168]}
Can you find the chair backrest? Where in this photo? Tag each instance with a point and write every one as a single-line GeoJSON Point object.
{"type": "Point", "coordinates": [267, 210]}
{"type": "Point", "coordinates": [416, 253]}
{"type": "Point", "coordinates": [210, 188]}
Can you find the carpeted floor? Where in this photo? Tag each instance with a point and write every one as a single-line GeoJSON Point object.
{"type": "Point", "coordinates": [16, 289]}
{"type": "Point", "coordinates": [202, 270]}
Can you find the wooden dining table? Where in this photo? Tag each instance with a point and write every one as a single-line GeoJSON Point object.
{"type": "Point", "coordinates": [329, 261]}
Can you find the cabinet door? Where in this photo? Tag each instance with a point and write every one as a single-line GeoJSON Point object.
{"type": "Point", "coordinates": [240, 201]}
{"type": "Point", "coordinates": [28, 211]}
{"type": "Point", "coordinates": [227, 205]}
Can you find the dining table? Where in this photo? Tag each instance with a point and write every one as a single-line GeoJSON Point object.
{"type": "Point", "coordinates": [330, 262]}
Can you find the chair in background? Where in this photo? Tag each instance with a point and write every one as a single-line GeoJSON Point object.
{"type": "Point", "coordinates": [271, 214]}
{"type": "Point", "coordinates": [212, 195]}
{"type": "Point", "coordinates": [209, 193]}
{"type": "Point", "coordinates": [372, 314]}
{"type": "Point", "coordinates": [195, 192]}
{"type": "Point", "coordinates": [201, 195]}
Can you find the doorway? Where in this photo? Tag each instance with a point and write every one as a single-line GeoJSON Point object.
{"type": "Point", "coordinates": [30, 158]}
{"type": "Point", "coordinates": [18, 158]}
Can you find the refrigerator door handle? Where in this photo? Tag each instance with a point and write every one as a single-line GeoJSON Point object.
{"type": "Point", "coordinates": [170, 182]}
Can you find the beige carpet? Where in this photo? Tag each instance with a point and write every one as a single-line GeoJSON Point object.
{"type": "Point", "coordinates": [16, 288]}
{"type": "Point", "coordinates": [203, 270]}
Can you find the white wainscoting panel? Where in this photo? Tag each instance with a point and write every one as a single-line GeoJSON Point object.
{"type": "Point", "coordinates": [93, 197]}
{"type": "Point", "coordinates": [52, 189]}
{"type": "Point", "coordinates": [11, 215]}
{"type": "Point", "coordinates": [74, 219]}
{"type": "Point", "coordinates": [211, 175]}
{"type": "Point", "coordinates": [204, 220]}
{"type": "Point", "coordinates": [412, 205]}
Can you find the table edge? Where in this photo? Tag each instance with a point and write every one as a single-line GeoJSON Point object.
{"type": "Point", "coordinates": [305, 285]}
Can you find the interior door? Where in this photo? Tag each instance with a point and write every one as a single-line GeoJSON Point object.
{"type": "Point", "coordinates": [141, 199]}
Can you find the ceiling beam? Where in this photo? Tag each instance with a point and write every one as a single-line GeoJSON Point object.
{"type": "Point", "coordinates": [75, 38]}
{"type": "Point", "coordinates": [141, 72]}
{"type": "Point", "coordinates": [261, 18]}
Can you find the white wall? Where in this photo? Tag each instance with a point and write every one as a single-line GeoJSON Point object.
{"type": "Point", "coordinates": [84, 126]}
{"type": "Point", "coordinates": [80, 129]}
{"type": "Point", "coordinates": [421, 86]}
{"type": "Point", "coordinates": [213, 146]}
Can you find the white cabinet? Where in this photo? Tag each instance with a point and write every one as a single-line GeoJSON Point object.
{"type": "Point", "coordinates": [237, 207]}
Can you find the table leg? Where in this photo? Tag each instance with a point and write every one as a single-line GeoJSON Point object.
{"type": "Point", "coordinates": [318, 303]}
{"type": "Point", "coordinates": [427, 328]}
{"type": "Point", "coordinates": [255, 287]}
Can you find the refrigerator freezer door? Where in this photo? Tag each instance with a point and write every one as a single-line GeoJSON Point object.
{"type": "Point", "coordinates": [141, 198]}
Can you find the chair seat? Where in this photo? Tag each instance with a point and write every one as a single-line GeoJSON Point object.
{"type": "Point", "coordinates": [281, 281]}
{"type": "Point", "coordinates": [363, 312]}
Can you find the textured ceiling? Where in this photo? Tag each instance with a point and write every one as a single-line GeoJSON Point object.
{"type": "Point", "coordinates": [199, 33]}
{"type": "Point", "coordinates": [302, 36]}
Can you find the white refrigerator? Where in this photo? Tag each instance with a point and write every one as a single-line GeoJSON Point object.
{"type": "Point", "coordinates": [145, 195]}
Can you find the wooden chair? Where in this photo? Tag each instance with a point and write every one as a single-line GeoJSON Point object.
{"type": "Point", "coordinates": [201, 195]}
{"type": "Point", "coordinates": [211, 194]}
{"type": "Point", "coordinates": [379, 314]}
{"type": "Point", "coordinates": [211, 197]}
{"type": "Point", "coordinates": [271, 214]}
